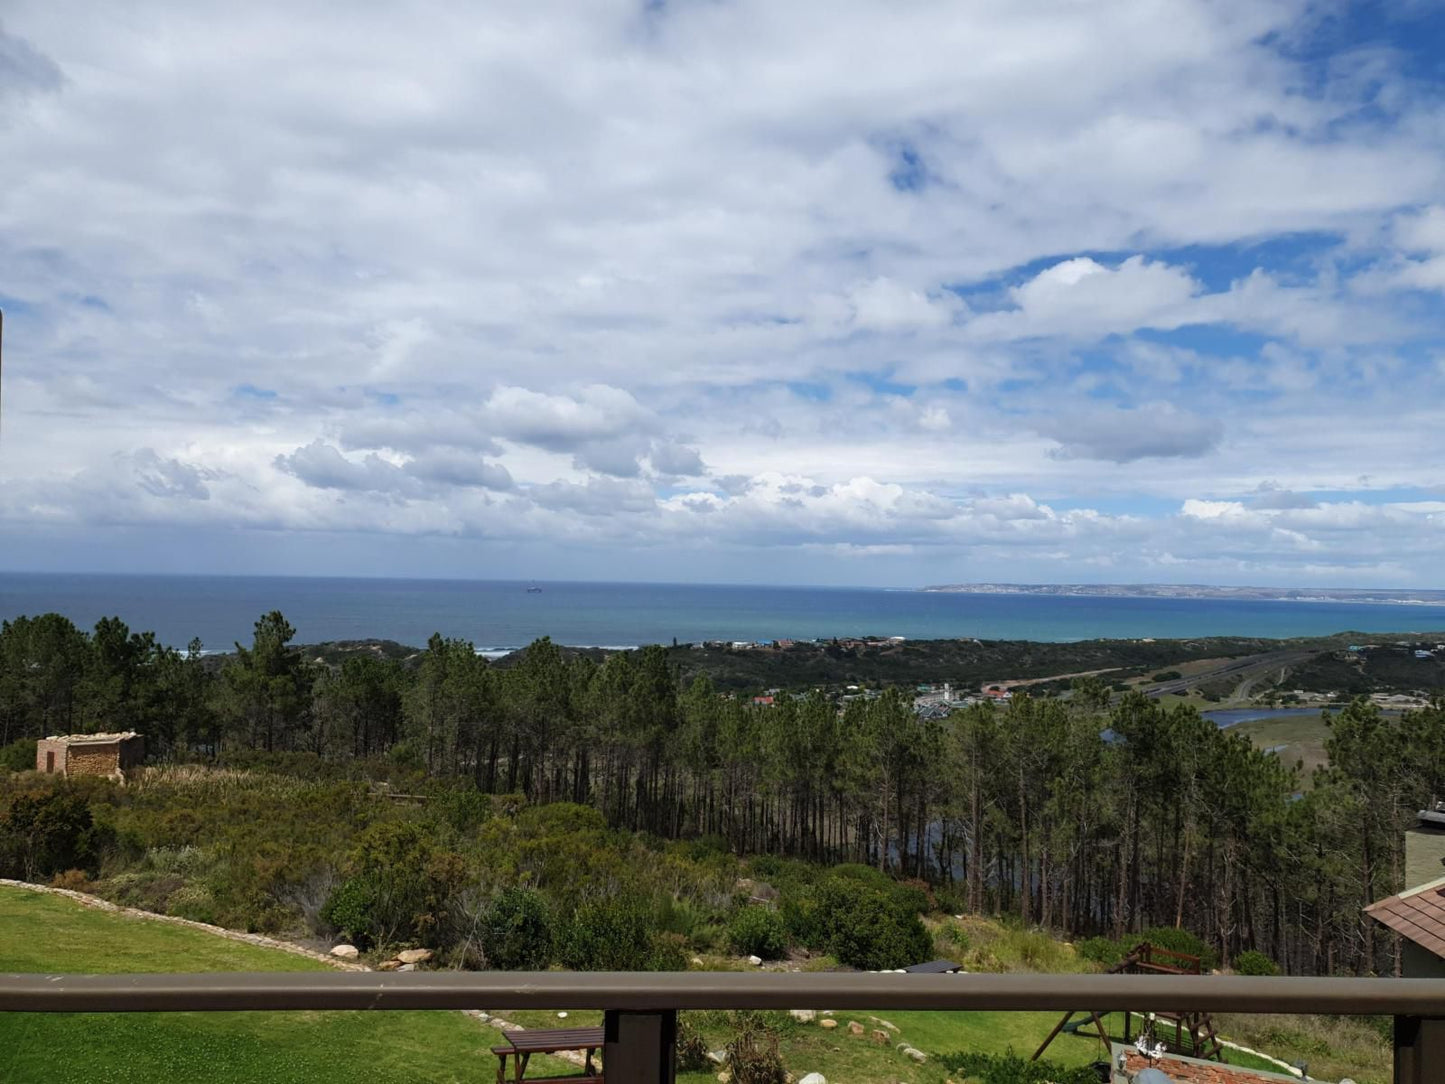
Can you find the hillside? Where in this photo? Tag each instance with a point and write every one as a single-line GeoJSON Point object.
{"type": "Point", "coordinates": [40, 932]}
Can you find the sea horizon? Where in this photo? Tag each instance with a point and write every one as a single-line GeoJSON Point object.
{"type": "Point", "coordinates": [501, 615]}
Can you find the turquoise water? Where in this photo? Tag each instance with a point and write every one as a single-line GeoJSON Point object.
{"type": "Point", "coordinates": [221, 610]}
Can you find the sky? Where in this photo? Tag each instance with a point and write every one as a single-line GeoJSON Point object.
{"type": "Point", "coordinates": [850, 292]}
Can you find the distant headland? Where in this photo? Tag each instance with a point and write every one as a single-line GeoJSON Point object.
{"type": "Point", "coordinates": [1195, 590]}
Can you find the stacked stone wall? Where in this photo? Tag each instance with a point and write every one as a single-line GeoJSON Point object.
{"type": "Point", "coordinates": [93, 759]}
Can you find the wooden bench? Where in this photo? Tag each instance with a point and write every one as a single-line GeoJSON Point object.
{"type": "Point", "coordinates": [521, 1045]}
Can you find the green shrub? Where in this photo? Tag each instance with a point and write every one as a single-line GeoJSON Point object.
{"type": "Point", "coordinates": [1255, 963]}
{"type": "Point", "coordinates": [517, 931]}
{"type": "Point", "coordinates": [617, 934]}
{"type": "Point", "coordinates": [18, 756]}
{"type": "Point", "coordinates": [1100, 950]}
{"type": "Point", "coordinates": [45, 834]}
{"type": "Point", "coordinates": [1011, 1069]}
{"type": "Point", "coordinates": [758, 931]}
{"type": "Point", "coordinates": [351, 910]}
{"type": "Point", "coordinates": [1167, 675]}
{"type": "Point", "coordinates": [864, 926]}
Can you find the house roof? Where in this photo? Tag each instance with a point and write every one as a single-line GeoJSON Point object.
{"type": "Point", "coordinates": [92, 739]}
{"type": "Point", "coordinates": [1418, 914]}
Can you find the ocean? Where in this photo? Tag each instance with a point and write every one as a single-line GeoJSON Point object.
{"type": "Point", "coordinates": [499, 615]}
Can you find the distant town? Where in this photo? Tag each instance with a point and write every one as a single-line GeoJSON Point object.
{"type": "Point", "coordinates": [1194, 590]}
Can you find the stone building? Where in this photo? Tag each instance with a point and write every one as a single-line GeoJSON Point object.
{"type": "Point", "coordinates": [90, 754]}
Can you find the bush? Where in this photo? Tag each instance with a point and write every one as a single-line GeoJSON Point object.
{"type": "Point", "coordinates": [18, 756]}
{"type": "Point", "coordinates": [46, 834]}
{"type": "Point", "coordinates": [753, 1056]}
{"type": "Point", "coordinates": [1100, 950]}
{"type": "Point", "coordinates": [864, 926]}
{"type": "Point", "coordinates": [1011, 1069]}
{"type": "Point", "coordinates": [351, 910]}
{"type": "Point", "coordinates": [1255, 963]}
{"type": "Point", "coordinates": [1167, 675]}
{"type": "Point", "coordinates": [617, 935]}
{"type": "Point", "coordinates": [517, 931]}
{"type": "Point", "coordinates": [691, 1048]}
{"type": "Point", "coordinates": [758, 931]}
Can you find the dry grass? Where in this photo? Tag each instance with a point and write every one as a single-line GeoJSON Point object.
{"type": "Point", "coordinates": [1334, 1046]}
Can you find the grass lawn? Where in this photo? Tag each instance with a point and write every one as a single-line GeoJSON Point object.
{"type": "Point", "coordinates": [1295, 738]}
{"type": "Point", "coordinates": [46, 933]}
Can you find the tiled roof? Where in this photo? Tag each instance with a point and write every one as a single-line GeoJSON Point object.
{"type": "Point", "coordinates": [1418, 914]}
{"type": "Point", "coordinates": [1191, 1071]}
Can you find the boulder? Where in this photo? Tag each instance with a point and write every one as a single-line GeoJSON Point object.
{"type": "Point", "coordinates": [828, 1025]}
{"type": "Point", "coordinates": [388, 965]}
{"type": "Point", "coordinates": [917, 1055]}
{"type": "Point", "coordinates": [756, 961]}
{"type": "Point", "coordinates": [717, 1057]}
{"type": "Point", "coordinates": [803, 1016]}
{"type": "Point", "coordinates": [855, 1028]}
{"type": "Point", "coordinates": [878, 1036]}
{"type": "Point", "coordinates": [883, 1023]}
{"type": "Point", "coordinates": [346, 952]}
{"type": "Point", "coordinates": [414, 956]}
{"type": "Point", "coordinates": [407, 967]}
{"type": "Point", "coordinates": [725, 1077]}
{"type": "Point", "coordinates": [814, 1078]}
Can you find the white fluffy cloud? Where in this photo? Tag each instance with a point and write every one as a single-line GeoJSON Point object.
{"type": "Point", "coordinates": [745, 274]}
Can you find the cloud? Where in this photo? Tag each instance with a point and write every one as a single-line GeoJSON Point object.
{"type": "Point", "coordinates": [321, 465]}
{"type": "Point", "coordinates": [1081, 295]}
{"type": "Point", "coordinates": [24, 69]}
{"type": "Point", "coordinates": [456, 467]}
{"type": "Point", "coordinates": [1158, 430]}
{"type": "Point", "coordinates": [595, 414]}
{"type": "Point", "coordinates": [670, 457]}
{"type": "Point", "coordinates": [594, 282]}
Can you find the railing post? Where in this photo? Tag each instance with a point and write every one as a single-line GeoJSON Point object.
{"type": "Point", "coordinates": [639, 1047]}
{"type": "Point", "coordinates": [1419, 1049]}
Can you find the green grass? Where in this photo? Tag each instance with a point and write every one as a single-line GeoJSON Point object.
{"type": "Point", "coordinates": [1303, 738]}
{"type": "Point", "coordinates": [43, 933]}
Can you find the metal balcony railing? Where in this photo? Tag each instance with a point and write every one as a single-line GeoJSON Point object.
{"type": "Point", "coordinates": [641, 1008]}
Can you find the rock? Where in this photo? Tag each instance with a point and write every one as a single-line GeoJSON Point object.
{"type": "Point", "coordinates": [879, 1037]}
{"type": "Point", "coordinates": [484, 1017]}
{"type": "Point", "coordinates": [346, 952]}
{"type": "Point", "coordinates": [725, 1077]}
{"type": "Point", "coordinates": [814, 1078]}
{"type": "Point", "coordinates": [855, 1028]}
{"type": "Point", "coordinates": [407, 967]}
{"type": "Point", "coordinates": [828, 1025]}
{"type": "Point", "coordinates": [917, 1055]}
{"type": "Point", "coordinates": [414, 956]}
{"type": "Point", "coordinates": [883, 1023]}
{"type": "Point", "coordinates": [762, 892]}
{"type": "Point", "coordinates": [562, 1016]}
{"type": "Point", "coordinates": [387, 965]}
{"type": "Point", "coordinates": [697, 961]}
{"type": "Point", "coordinates": [803, 1016]}
{"type": "Point", "coordinates": [717, 1057]}
{"type": "Point", "coordinates": [756, 961]}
